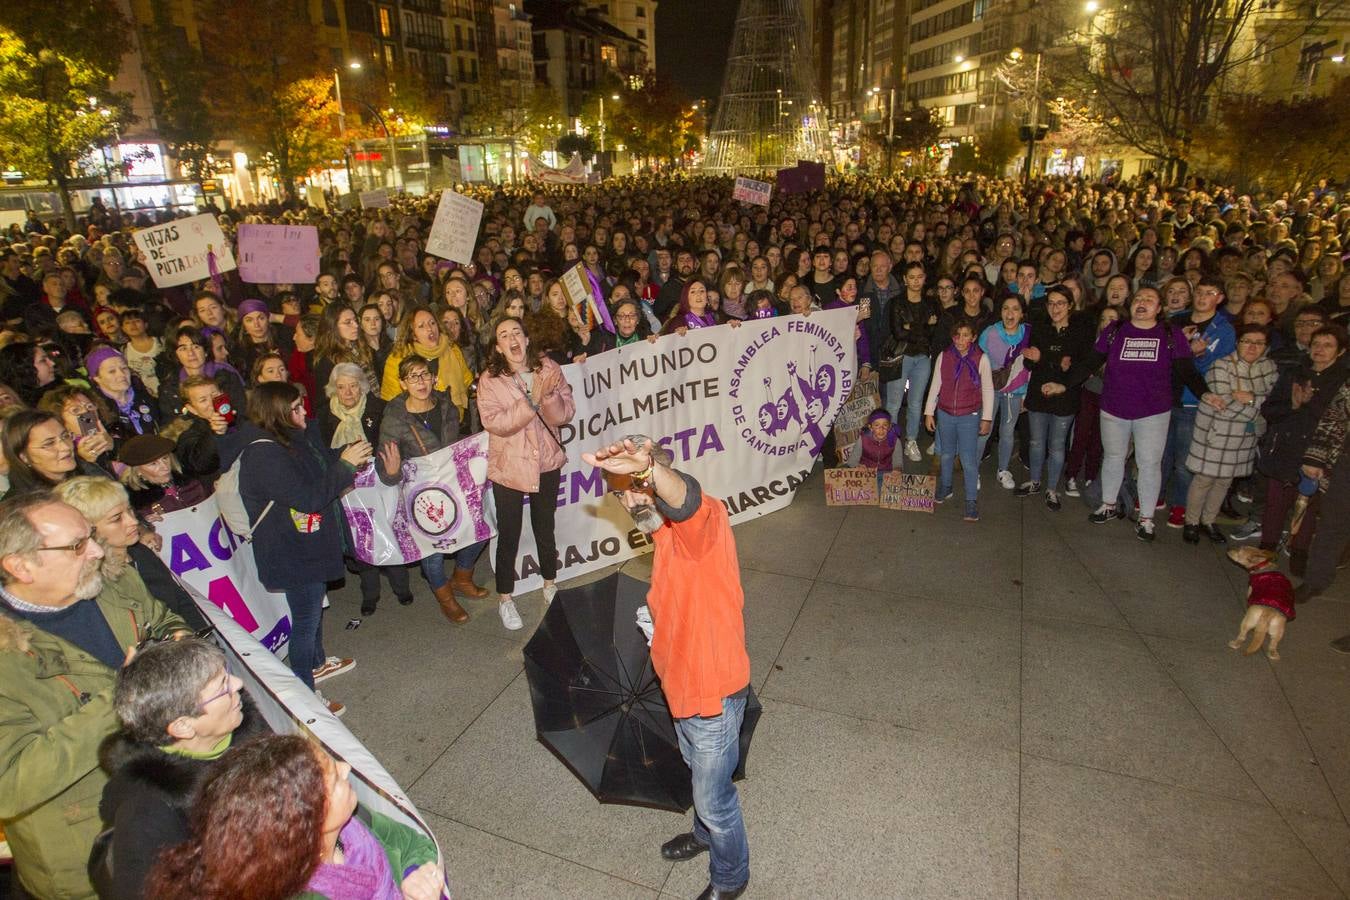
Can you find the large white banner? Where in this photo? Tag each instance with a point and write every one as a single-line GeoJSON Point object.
{"type": "Point", "coordinates": [215, 562]}
{"type": "Point", "coordinates": [744, 410]}
{"type": "Point", "coordinates": [440, 505]}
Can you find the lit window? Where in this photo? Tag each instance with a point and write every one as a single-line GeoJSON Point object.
{"type": "Point", "coordinates": [386, 25]}
{"type": "Point", "coordinates": [609, 55]}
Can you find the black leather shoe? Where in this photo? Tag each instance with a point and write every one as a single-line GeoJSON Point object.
{"type": "Point", "coordinates": [712, 893]}
{"type": "Point", "coordinates": [1191, 534]}
{"type": "Point", "coordinates": [1212, 532]}
{"type": "Point", "coordinates": [682, 847]}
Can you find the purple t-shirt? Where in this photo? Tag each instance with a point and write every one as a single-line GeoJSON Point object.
{"type": "Point", "coordinates": [1138, 379]}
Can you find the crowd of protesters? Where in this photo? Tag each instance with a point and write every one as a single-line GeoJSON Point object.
{"type": "Point", "coordinates": [1173, 354]}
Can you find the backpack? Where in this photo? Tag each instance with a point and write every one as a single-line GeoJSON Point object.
{"type": "Point", "coordinates": [231, 502]}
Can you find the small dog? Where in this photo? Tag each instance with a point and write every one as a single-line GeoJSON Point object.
{"type": "Point", "coordinates": [1270, 601]}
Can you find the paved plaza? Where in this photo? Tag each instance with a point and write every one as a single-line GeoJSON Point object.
{"type": "Point", "coordinates": [1031, 706]}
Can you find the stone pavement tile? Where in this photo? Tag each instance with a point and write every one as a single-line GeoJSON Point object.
{"type": "Point", "coordinates": [1055, 583]}
{"type": "Point", "coordinates": [915, 554]}
{"type": "Point", "coordinates": [838, 807]}
{"type": "Point", "coordinates": [938, 667]}
{"type": "Point", "coordinates": [1314, 679]}
{"type": "Point", "coordinates": [497, 777]}
{"type": "Point", "coordinates": [791, 541]}
{"type": "Point", "coordinates": [772, 603]}
{"type": "Point", "coordinates": [1097, 697]}
{"type": "Point", "coordinates": [484, 865]}
{"type": "Point", "coordinates": [1087, 833]}
{"type": "Point", "coordinates": [1329, 842]}
{"type": "Point", "coordinates": [1241, 699]}
{"type": "Point", "coordinates": [418, 682]}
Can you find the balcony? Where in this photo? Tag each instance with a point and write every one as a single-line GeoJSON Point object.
{"type": "Point", "coordinates": [432, 42]}
{"type": "Point", "coordinates": [431, 7]}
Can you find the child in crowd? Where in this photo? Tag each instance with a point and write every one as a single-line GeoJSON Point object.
{"type": "Point", "coordinates": [960, 409]}
{"type": "Point", "coordinates": [875, 447]}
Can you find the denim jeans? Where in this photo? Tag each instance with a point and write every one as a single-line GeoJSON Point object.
{"type": "Point", "coordinates": [1052, 430]}
{"type": "Point", "coordinates": [1179, 434]}
{"type": "Point", "coordinates": [433, 566]}
{"type": "Point", "coordinates": [1007, 409]}
{"type": "Point", "coordinates": [914, 372]}
{"type": "Point", "coordinates": [305, 653]}
{"type": "Point", "coordinates": [1150, 437]}
{"type": "Point", "coordinates": [960, 436]}
{"type": "Point", "coordinates": [711, 747]}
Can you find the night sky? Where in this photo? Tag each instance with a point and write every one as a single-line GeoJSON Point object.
{"type": "Point", "coordinates": [692, 38]}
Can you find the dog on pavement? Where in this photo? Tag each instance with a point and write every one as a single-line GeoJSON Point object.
{"type": "Point", "coordinates": [1270, 601]}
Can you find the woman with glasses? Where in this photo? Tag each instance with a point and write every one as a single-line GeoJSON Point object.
{"type": "Point", "coordinates": [1057, 352]}
{"type": "Point", "coordinates": [180, 710]}
{"type": "Point", "coordinates": [1223, 445]}
{"type": "Point", "coordinates": [40, 452]}
{"type": "Point", "coordinates": [289, 482]}
{"type": "Point", "coordinates": [418, 422]}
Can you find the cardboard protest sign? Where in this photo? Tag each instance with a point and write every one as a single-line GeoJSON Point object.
{"type": "Point", "coordinates": [748, 190]}
{"type": "Point", "coordinates": [861, 402]}
{"type": "Point", "coordinates": [455, 228]}
{"type": "Point", "coordinates": [376, 199]}
{"type": "Point", "coordinates": [908, 493]}
{"type": "Point", "coordinates": [851, 487]}
{"type": "Point", "coordinates": [278, 254]}
{"type": "Point", "coordinates": [575, 287]}
{"type": "Point", "coordinates": [182, 251]}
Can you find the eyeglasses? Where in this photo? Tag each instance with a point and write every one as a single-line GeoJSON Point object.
{"type": "Point", "coordinates": [1252, 343]}
{"type": "Point", "coordinates": [626, 317]}
{"type": "Point", "coordinates": [298, 406]}
{"type": "Point", "coordinates": [417, 377]}
{"type": "Point", "coordinates": [52, 443]}
{"type": "Point", "coordinates": [229, 689]}
{"type": "Point", "coordinates": [77, 548]}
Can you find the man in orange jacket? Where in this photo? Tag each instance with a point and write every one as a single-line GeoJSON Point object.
{"type": "Point", "coordinates": [698, 644]}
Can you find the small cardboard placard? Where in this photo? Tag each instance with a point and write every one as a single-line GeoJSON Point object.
{"type": "Point", "coordinates": [862, 401]}
{"type": "Point", "coordinates": [376, 199]}
{"type": "Point", "coordinates": [908, 493]}
{"type": "Point", "coordinates": [577, 289]}
{"type": "Point", "coordinates": [851, 487]}
{"type": "Point", "coordinates": [181, 251]}
{"type": "Point", "coordinates": [278, 254]}
{"type": "Point", "coordinates": [455, 228]}
{"type": "Point", "coordinates": [747, 190]}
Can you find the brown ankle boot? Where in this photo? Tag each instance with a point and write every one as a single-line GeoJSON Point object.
{"type": "Point", "coordinates": [450, 608]}
{"type": "Point", "coordinates": [462, 582]}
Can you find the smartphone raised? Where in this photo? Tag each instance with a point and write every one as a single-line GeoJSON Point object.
{"type": "Point", "coordinates": [224, 408]}
{"type": "Point", "coordinates": [88, 421]}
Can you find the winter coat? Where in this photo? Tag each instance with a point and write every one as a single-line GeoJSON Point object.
{"type": "Point", "coordinates": [147, 802]}
{"type": "Point", "coordinates": [1224, 443]}
{"type": "Point", "coordinates": [1289, 430]}
{"type": "Point", "coordinates": [875, 326]}
{"type": "Point", "coordinates": [1072, 344]}
{"type": "Point", "coordinates": [306, 478]}
{"type": "Point", "coordinates": [55, 710]}
{"type": "Point", "coordinates": [411, 433]}
{"type": "Point", "coordinates": [519, 445]}
{"type": "Point", "coordinates": [1328, 440]}
{"type": "Point", "coordinates": [370, 420]}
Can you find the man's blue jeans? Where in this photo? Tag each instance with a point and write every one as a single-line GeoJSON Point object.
{"type": "Point", "coordinates": [711, 747]}
{"type": "Point", "coordinates": [959, 436]}
{"type": "Point", "coordinates": [914, 372]}
{"type": "Point", "coordinates": [1048, 432]}
{"type": "Point", "coordinates": [1179, 433]}
{"type": "Point", "coordinates": [305, 653]}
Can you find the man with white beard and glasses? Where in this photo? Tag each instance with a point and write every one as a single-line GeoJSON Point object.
{"type": "Point", "coordinates": [61, 645]}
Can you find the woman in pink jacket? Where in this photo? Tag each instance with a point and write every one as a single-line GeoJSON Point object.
{"type": "Point", "coordinates": [522, 399]}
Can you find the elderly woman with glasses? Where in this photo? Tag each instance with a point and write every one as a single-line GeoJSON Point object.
{"type": "Point", "coordinates": [181, 710]}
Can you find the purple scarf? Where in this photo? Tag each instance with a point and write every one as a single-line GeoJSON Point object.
{"type": "Point", "coordinates": [966, 364]}
{"type": "Point", "coordinates": [707, 320]}
{"type": "Point", "coordinates": [364, 876]}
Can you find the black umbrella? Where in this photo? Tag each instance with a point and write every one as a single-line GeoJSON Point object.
{"type": "Point", "coordinates": [598, 705]}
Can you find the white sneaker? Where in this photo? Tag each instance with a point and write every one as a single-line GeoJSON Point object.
{"type": "Point", "coordinates": [334, 707]}
{"type": "Point", "coordinates": [1005, 478]}
{"type": "Point", "coordinates": [333, 665]}
{"type": "Point", "coordinates": [912, 451]}
{"type": "Point", "coordinates": [510, 615]}
{"type": "Point", "coordinates": [550, 591]}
